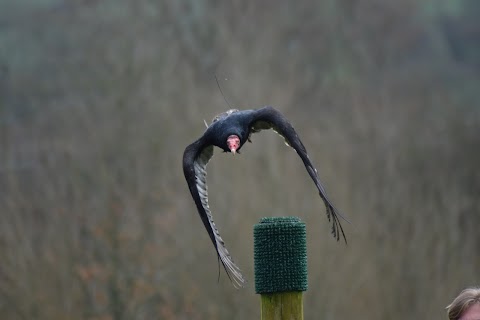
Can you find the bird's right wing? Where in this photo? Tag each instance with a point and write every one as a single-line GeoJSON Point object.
{"type": "Point", "coordinates": [195, 159]}
{"type": "Point", "coordinates": [270, 118]}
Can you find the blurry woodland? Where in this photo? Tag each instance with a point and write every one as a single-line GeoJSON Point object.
{"type": "Point", "coordinates": [99, 98]}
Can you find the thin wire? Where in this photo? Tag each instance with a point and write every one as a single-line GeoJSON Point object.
{"type": "Point", "coordinates": [218, 84]}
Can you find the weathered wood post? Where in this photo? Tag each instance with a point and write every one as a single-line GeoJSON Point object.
{"type": "Point", "coordinates": [280, 255]}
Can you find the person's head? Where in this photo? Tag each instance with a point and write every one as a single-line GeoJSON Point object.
{"type": "Point", "coordinates": [466, 306]}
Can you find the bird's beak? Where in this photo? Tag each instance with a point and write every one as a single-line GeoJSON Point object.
{"type": "Point", "coordinates": [233, 143]}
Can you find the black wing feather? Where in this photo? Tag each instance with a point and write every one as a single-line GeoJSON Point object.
{"type": "Point", "coordinates": [270, 118]}
{"type": "Point", "coordinates": [195, 159]}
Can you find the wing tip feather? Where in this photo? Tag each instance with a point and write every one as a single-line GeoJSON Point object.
{"type": "Point", "coordinates": [233, 271]}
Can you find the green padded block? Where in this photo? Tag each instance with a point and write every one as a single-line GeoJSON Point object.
{"type": "Point", "coordinates": [280, 255]}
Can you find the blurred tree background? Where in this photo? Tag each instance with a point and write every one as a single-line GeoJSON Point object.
{"type": "Point", "coordinates": [99, 98]}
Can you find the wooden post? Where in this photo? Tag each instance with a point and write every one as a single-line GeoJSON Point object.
{"type": "Point", "coordinates": [282, 305]}
{"type": "Point", "coordinates": [280, 267]}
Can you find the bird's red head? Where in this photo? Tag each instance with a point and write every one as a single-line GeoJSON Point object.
{"type": "Point", "coordinates": [233, 143]}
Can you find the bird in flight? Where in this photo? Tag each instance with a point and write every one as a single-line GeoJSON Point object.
{"type": "Point", "coordinates": [229, 131]}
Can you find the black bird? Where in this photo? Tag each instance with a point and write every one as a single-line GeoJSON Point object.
{"type": "Point", "coordinates": [229, 131]}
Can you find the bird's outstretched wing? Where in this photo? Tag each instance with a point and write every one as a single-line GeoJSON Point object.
{"type": "Point", "coordinates": [195, 159]}
{"type": "Point", "coordinates": [270, 118]}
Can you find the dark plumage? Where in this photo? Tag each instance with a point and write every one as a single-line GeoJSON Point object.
{"type": "Point", "coordinates": [229, 131]}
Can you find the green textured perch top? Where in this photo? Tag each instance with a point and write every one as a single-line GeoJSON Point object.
{"type": "Point", "coordinates": [280, 255]}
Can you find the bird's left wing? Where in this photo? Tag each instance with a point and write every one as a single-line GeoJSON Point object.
{"type": "Point", "coordinates": [195, 159]}
{"type": "Point", "coordinates": [270, 118]}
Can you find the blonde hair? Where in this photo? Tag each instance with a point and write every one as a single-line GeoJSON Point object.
{"type": "Point", "coordinates": [462, 302]}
